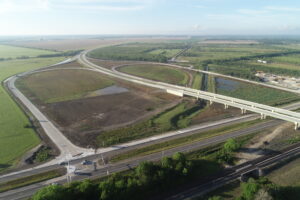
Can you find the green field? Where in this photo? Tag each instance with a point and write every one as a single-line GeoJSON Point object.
{"type": "Point", "coordinates": [287, 175]}
{"type": "Point", "coordinates": [169, 53]}
{"type": "Point", "coordinates": [21, 182]}
{"type": "Point", "coordinates": [291, 59]}
{"type": "Point", "coordinates": [18, 52]}
{"type": "Point", "coordinates": [182, 141]}
{"type": "Point", "coordinates": [254, 93]}
{"type": "Point", "coordinates": [159, 52]}
{"type": "Point", "coordinates": [197, 81]}
{"type": "Point", "coordinates": [62, 85]}
{"type": "Point", "coordinates": [158, 73]}
{"type": "Point", "coordinates": [176, 117]}
{"type": "Point", "coordinates": [204, 52]}
{"type": "Point", "coordinates": [15, 140]}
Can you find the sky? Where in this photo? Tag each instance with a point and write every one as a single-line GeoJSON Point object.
{"type": "Point", "coordinates": [164, 17]}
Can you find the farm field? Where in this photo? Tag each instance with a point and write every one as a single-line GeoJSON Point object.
{"type": "Point", "coordinates": [169, 53]}
{"type": "Point", "coordinates": [7, 51]}
{"type": "Point", "coordinates": [253, 93]}
{"type": "Point", "coordinates": [205, 52]}
{"type": "Point", "coordinates": [89, 102]}
{"type": "Point", "coordinates": [68, 44]}
{"type": "Point", "coordinates": [158, 73]}
{"type": "Point", "coordinates": [278, 65]}
{"type": "Point", "coordinates": [62, 44]}
{"type": "Point", "coordinates": [138, 51]}
{"type": "Point", "coordinates": [289, 59]}
{"type": "Point", "coordinates": [15, 139]}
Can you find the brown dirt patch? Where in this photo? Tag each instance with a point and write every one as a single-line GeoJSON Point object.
{"type": "Point", "coordinates": [215, 112]}
{"type": "Point", "coordinates": [82, 119]}
{"type": "Point", "coordinates": [109, 64]}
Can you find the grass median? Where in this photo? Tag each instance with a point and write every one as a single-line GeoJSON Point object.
{"type": "Point", "coordinates": [182, 141]}
{"type": "Point", "coordinates": [28, 180]}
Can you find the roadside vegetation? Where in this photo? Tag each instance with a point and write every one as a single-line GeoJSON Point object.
{"type": "Point", "coordinates": [147, 179]}
{"type": "Point", "coordinates": [24, 181]}
{"type": "Point", "coordinates": [62, 85]}
{"type": "Point", "coordinates": [254, 189]}
{"type": "Point", "coordinates": [197, 81]}
{"type": "Point", "coordinates": [158, 73]}
{"type": "Point", "coordinates": [15, 137]}
{"type": "Point", "coordinates": [174, 118]}
{"type": "Point", "coordinates": [184, 141]}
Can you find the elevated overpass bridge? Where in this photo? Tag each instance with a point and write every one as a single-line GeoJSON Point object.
{"type": "Point", "coordinates": [244, 105]}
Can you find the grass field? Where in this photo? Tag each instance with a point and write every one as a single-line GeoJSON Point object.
{"type": "Point", "coordinates": [204, 52]}
{"type": "Point", "coordinates": [197, 81]}
{"type": "Point", "coordinates": [254, 93]}
{"type": "Point", "coordinates": [169, 53]}
{"type": "Point", "coordinates": [15, 140]}
{"type": "Point", "coordinates": [159, 52]}
{"type": "Point", "coordinates": [21, 182]}
{"type": "Point", "coordinates": [287, 175]}
{"type": "Point", "coordinates": [62, 85]}
{"type": "Point", "coordinates": [158, 73]}
{"type": "Point", "coordinates": [15, 52]}
{"type": "Point", "coordinates": [280, 65]}
{"type": "Point", "coordinates": [182, 141]}
{"type": "Point", "coordinates": [176, 117]}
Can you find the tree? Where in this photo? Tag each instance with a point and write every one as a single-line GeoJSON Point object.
{"type": "Point", "coordinates": [146, 172]}
{"type": "Point", "coordinates": [250, 189]}
{"type": "Point", "coordinates": [167, 162]}
{"type": "Point", "coordinates": [51, 192]}
{"type": "Point", "coordinates": [231, 145]}
{"type": "Point", "coordinates": [215, 198]}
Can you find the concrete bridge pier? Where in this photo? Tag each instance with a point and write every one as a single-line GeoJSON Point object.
{"type": "Point", "coordinates": [296, 125]}
{"type": "Point", "coordinates": [243, 111]}
{"type": "Point", "coordinates": [226, 106]}
{"type": "Point", "coordinates": [262, 116]}
{"type": "Point", "coordinates": [210, 102]}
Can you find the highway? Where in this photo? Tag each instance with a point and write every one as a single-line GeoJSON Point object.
{"type": "Point", "coordinates": [126, 164]}
{"type": "Point", "coordinates": [246, 168]}
{"type": "Point", "coordinates": [27, 191]}
{"type": "Point", "coordinates": [66, 147]}
{"type": "Point", "coordinates": [244, 105]}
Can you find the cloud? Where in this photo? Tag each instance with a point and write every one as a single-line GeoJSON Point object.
{"type": "Point", "coordinates": [200, 6]}
{"type": "Point", "coordinates": [284, 9]}
{"type": "Point", "coordinates": [252, 12]}
{"type": "Point", "coordinates": [12, 6]}
{"type": "Point", "coordinates": [17, 6]}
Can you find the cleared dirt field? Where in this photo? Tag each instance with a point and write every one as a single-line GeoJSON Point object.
{"type": "Point", "coordinates": [215, 112]}
{"type": "Point", "coordinates": [109, 64]}
{"type": "Point", "coordinates": [82, 119]}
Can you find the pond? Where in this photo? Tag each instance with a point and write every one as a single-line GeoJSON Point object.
{"type": "Point", "coordinates": [226, 84]}
{"type": "Point", "coordinates": [110, 90]}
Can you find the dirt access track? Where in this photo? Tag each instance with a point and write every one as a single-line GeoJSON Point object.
{"type": "Point", "coordinates": [82, 118]}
